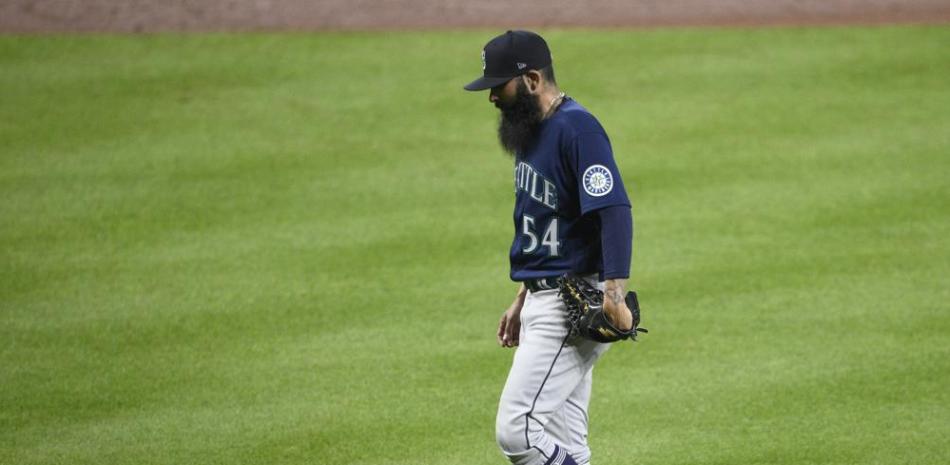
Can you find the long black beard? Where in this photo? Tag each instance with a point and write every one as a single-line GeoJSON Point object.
{"type": "Point", "coordinates": [520, 122]}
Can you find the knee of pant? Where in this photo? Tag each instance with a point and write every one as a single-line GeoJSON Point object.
{"type": "Point", "coordinates": [510, 435]}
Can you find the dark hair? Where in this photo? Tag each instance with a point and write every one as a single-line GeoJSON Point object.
{"type": "Point", "coordinates": [548, 73]}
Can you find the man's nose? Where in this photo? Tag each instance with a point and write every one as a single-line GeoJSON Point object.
{"type": "Point", "coordinates": [492, 97]}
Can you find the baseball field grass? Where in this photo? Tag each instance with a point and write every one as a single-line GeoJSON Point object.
{"type": "Point", "coordinates": [292, 248]}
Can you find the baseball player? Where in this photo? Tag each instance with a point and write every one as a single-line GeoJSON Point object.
{"type": "Point", "coordinates": [571, 216]}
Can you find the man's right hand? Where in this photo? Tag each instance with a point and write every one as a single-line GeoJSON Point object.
{"type": "Point", "coordinates": [509, 327]}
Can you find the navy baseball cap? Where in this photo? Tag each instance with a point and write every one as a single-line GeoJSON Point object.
{"type": "Point", "coordinates": [510, 55]}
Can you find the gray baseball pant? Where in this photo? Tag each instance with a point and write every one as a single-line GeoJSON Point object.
{"type": "Point", "coordinates": [545, 400]}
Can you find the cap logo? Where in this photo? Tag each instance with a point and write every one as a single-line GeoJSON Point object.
{"type": "Point", "coordinates": [522, 66]}
{"type": "Point", "coordinates": [483, 60]}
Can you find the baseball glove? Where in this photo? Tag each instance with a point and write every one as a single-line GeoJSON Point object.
{"type": "Point", "coordinates": [585, 311]}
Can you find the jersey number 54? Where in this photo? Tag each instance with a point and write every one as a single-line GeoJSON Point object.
{"type": "Point", "coordinates": [549, 239]}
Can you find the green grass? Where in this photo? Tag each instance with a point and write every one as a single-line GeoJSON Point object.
{"type": "Point", "coordinates": [279, 249]}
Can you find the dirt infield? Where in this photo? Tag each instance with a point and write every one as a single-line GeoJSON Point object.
{"type": "Point", "coordinates": [41, 16]}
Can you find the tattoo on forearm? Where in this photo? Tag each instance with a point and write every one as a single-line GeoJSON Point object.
{"type": "Point", "coordinates": [614, 296]}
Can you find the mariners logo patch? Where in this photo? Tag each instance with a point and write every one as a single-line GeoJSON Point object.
{"type": "Point", "coordinates": [598, 181]}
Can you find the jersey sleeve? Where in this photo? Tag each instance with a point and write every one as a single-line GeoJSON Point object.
{"type": "Point", "coordinates": [616, 238]}
{"type": "Point", "coordinates": [598, 180]}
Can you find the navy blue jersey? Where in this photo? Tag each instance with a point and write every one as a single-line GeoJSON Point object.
{"type": "Point", "coordinates": [565, 176]}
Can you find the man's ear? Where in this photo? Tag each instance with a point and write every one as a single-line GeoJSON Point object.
{"type": "Point", "coordinates": [532, 80]}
